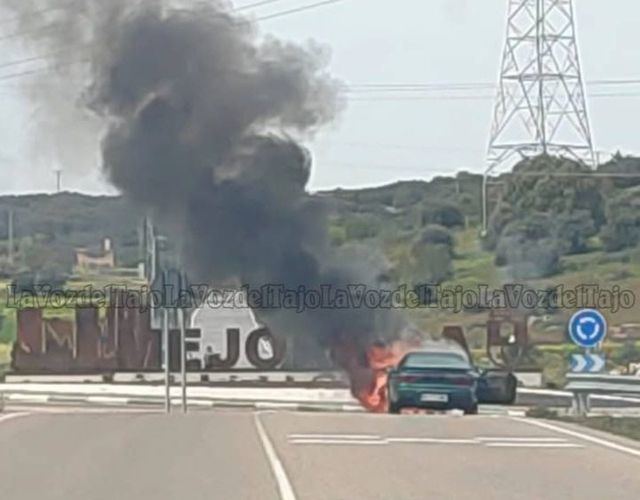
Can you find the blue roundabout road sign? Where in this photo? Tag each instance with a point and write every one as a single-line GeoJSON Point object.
{"type": "Point", "coordinates": [587, 328]}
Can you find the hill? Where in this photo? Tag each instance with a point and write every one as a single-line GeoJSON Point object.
{"type": "Point", "coordinates": [553, 222]}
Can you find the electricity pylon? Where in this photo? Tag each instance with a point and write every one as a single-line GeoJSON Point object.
{"type": "Point", "coordinates": [541, 105]}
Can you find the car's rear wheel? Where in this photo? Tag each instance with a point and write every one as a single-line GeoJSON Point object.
{"type": "Point", "coordinates": [395, 409]}
{"type": "Point", "coordinates": [472, 410]}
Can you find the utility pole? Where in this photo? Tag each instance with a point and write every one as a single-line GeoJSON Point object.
{"type": "Point", "coordinates": [10, 230]}
{"type": "Point", "coordinates": [484, 196]}
{"type": "Point", "coordinates": [58, 173]}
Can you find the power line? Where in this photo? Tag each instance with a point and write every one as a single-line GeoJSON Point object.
{"type": "Point", "coordinates": [375, 87]}
{"type": "Point", "coordinates": [470, 97]}
{"type": "Point", "coordinates": [56, 27]}
{"type": "Point", "coordinates": [255, 4]}
{"type": "Point", "coordinates": [18, 62]}
{"type": "Point", "coordinates": [358, 88]}
{"type": "Point", "coordinates": [406, 147]}
{"type": "Point", "coordinates": [605, 175]}
{"type": "Point", "coordinates": [469, 85]}
{"type": "Point", "coordinates": [65, 6]}
{"type": "Point", "coordinates": [427, 170]}
{"type": "Point", "coordinates": [241, 8]}
{"type": "Point", "coordinates": [45, 28]}
{"type": "Point", "coordinates": [298, 9]}
{"type": "Point", "coordinates": [47, 69]}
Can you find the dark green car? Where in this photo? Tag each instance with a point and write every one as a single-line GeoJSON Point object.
{"type": "Point", "coordinates": [445, 379]}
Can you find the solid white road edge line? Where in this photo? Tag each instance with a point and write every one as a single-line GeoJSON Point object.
{"type": "Point", "coordinates": [284, 485]}
{"type": "Point", "coordinates": [580, 435]}
{"type": "Point", "coordinates": [11, 416]}
{"type": "Point", "coordinates": [533, 445]}
{"type": "Point", "coordinates": [522, 439]}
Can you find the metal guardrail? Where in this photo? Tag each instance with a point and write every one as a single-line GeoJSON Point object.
{"type": "Point", "coordinates": [583, 385]}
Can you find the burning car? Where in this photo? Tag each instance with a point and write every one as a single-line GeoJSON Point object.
{"type": "Point", "coordinates": [439, 379]}
{"type": "Point", "coordinates": [442, 377]}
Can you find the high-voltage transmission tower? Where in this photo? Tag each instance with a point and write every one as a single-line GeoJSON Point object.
{"type": "Point", "coordinates": [541, 106]}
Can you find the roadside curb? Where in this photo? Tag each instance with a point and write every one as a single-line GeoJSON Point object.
{"type": "Point", "coordinates": [199, 403]}
{"type": "Point", "coordinates": [155, 402]}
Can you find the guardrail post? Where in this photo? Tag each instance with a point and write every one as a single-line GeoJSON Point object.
{"type": "Point", "coordinates": [581, 404]}
{"type": "Point", "coordinates": [575, 404]}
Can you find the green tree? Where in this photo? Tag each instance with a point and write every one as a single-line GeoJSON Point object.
{"type": "Point", "coordinates": [361, 227]}
{"type": "Point", "coordinates": [543, 215]}
{"type": "Point", "coordinates": [437, 235]}
{"type": "Point", "coordinates": [431, 263]}
{"type": "Point", "coordinates": [442, 213]}
{"type": "Point", "coordinates": [573, 230]}
{"type": "Point", "coordinates": [528, 259]}
{"type": "Point", "coordinates": [623, 221]}
{"type": "Point", "coordinates": [538, 185]}
{"type": "Point", "coordinates": [627, 165]}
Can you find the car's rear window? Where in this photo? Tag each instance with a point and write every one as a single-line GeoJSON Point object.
{"type": "Point", "coordinates": [435, 360]}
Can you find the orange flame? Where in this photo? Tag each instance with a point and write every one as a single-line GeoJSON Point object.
{"type": "Point", "coordinates": [368, 370]}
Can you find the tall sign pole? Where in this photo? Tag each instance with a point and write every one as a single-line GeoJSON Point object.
{"type": "Point", "coordinates": [167, 368]}
{"type": "Point", "coordinates": [587, 329]}
{"type": "Point", "coordinates": [183, 358]}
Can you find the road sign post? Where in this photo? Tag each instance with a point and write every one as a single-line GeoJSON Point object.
{"type": "Point", "coordinates": [167, 368]}
{"type": "Point", "coordinates": [183, 359]}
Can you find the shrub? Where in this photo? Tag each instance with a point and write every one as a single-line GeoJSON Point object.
{"type": "Point", "coordinates": [444, 214]}
{"type": "Point", "coordinates": [431, 263]}
{"type": "Point", "coordinates": [622, 229]}
{"type": "Point", "coordinates": [437, 235]}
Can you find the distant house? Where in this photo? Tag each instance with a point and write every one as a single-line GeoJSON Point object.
{"type": "Point", "coordinates": [102, 259]}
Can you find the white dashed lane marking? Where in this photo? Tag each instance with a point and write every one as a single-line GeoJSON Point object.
{"type": "Point", "coordinates": [376, 440]}
{"type": "Point", "coordinates": [358, 437]}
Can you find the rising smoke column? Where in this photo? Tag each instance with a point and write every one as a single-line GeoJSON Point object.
{"type": "Point", "coordinates": [203, 122]}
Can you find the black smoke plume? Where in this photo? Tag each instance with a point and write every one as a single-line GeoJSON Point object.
{"type": "Point", "coordinates": [204, 119]}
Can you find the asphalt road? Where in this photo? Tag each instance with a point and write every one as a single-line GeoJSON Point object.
{"type": "Point", "coordinates": [228, 455]}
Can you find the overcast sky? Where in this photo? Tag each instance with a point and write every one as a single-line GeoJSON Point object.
{"type": "Point", "coordinates": [386, 138]}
